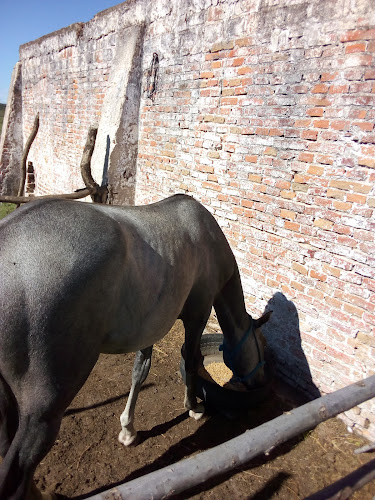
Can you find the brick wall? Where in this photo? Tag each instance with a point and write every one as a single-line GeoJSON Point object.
{"type": "Point", "coordinates": [271, 125]}
{"type": "Point", "coordinates": [263, 111]}
{"type": "Point", "coordinates": [65, 77]}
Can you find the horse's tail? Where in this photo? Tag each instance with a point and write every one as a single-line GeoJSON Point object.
{"type": "Point", "coordinates": [8, 416]}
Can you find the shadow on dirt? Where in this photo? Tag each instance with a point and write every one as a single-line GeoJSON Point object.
{"type": "Point", "coordinates": [216, 429]}
{"type": "Point", "coordinates": [284, 340]}
{"type": "Point", "coordinates": [74, 411]}
{"type": "Point", "coordinates": [161, 428]}
{"type": "Point", "coordinates": [284, 343]}
{"type": "Point", "coordinates": [271, 487]}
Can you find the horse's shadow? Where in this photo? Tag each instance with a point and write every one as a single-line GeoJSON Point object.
{"type": "Point", "coordinates": [216, 429]}
{"type": "Point", "coordinates": [74, 411]}
{"type": "Point", "coordinates": [284, 341]}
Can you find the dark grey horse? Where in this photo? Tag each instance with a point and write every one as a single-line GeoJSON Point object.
{"type": "Point", "coordinates": [79, 279]}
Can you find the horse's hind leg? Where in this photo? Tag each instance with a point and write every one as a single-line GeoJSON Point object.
{"type": "Point", "coordinates": [36, 433]}
{"type": "Point", "coordinates": [141, 368]}
{"type": "Point", "coordinates": [42, 396]}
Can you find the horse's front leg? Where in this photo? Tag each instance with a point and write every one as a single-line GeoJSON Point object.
{"type": "Point", "coordinates": [141, 368]}
{"type": "Point", "coordinates": [196, 410]}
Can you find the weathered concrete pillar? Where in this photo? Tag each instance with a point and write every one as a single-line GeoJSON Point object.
{"type": "Point", "coordinates": [11, 143]}
{"type": "Point", "coordinates": [115, 155]}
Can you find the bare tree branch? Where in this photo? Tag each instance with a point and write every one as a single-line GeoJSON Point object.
{"type": "Point", "coordinates": [26, 150]}
{"type": "Point", "coordinates": [98, 193]}
{"type": "Point", "coordinates": [80, 193]}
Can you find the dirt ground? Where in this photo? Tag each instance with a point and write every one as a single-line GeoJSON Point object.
{"type": "Point", "coordinates": [87, 458]}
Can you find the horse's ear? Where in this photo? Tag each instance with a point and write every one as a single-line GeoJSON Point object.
{"type": "Point", "coordinates": [263, 319]}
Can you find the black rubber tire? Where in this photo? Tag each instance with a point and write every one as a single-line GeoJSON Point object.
{"type": "Point", "coordinates": [218, 397]}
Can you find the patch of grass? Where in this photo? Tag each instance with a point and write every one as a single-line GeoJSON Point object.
{"type": "Point", "coordinates": [2, 111]}
{"type": "Point", "coordinates": [6, 208]}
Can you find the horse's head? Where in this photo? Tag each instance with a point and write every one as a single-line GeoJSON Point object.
{"type": "Point", "coordinates": [246, 357]}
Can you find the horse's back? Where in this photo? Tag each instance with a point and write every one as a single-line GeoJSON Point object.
{"type": "Point", "coordinates": [70, 268]}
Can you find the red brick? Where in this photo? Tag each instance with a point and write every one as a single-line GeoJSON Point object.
{"type": "Point", "coordinates": [342, 205]}
{"type": "Point", "coordinates": [292, 226]}
{"type": "Point", "coordinates": [315, 170]}
{"type": "Point", "coordinates": [338, 89]}
{"type": "Point", "coordinates": [319, 101]}
{"type": "Point", "coordinates": [301, 269]}
{"type": "Point", "coordinates": [212, 185]}
{"type": "Point", "coordinates": [340, 125]}
{"type": "Point", "coordinates": [354, 74]}
{"type": "Point", "coordinates": [353, 35]}
{"type": "Point", "coordinates": [302, 123]}
{"type": "Point", "coordinates": [365, 126]}
{"type": "Point", "coordinates": [355, 47]}
{"type": "Point", "coordinates": [244, 70]}
{"type": "Point", "coordinates": [359, 114]}
{"type": "Point", "coordinates": [356, 198]}
{"type": "Point", "coordinates": [321, 123]}
{"type": "Point", "coordinates": [327, 77]}
{"type": "Point", "coordinates": [323, 223]}
{"type": "Point", "coordinates": [270, 151]}
{"type": "Point", "coordinates": [317, 275]}
{"type": "Point", "coordinates": [315, 112]}
{"type": "Point", "coordinates": [370, 74]}
{"type": "Point", "coordinates": [251, 158]}
{"type": "Point", "coordinates": [276, 132]}
{"type": "Point", "coordinates": [247, 203]}
{"type": "Point", "coordinates": [281, 184]}
{"type": "Point", "coordinates": [367, 162]}
{"type": "Point", "coordinates": [324, 159]}
{"type": "Point", "coordinates": [207, 74]}
{"type": "Point", "coordinates": [358, 60]}
{"type": "Point", "coordinates": [306, 157]}
{"type": "Point", "coordinates": [233, 101]}
{"type": "Point", "coordinates": [244, 42]}
{"type": "Point", "coordinates": [347, 185]}
{"type": "Point", "coordinates": [221, 46]}
{"type": "Point", "coordinates": [310, 135]}
{"type": "Point", "coordinates": [287, 214]}
{"type": "Point", "coordinates": [238, 61]}
{"type": "Point", "coordinates": [320, 88]}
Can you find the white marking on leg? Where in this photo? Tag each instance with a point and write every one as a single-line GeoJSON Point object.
{"type": "Point", "coordinates": [141, 368]}
{"type": "Point", "coordinates": [128, 434]}
{"type": "Point", "coordinates": [198, 412]}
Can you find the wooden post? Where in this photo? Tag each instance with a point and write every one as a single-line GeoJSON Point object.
{"type": "Point", "coordinates": [192, 471]}
{"type": "Point", "coordinates": [29, 142]}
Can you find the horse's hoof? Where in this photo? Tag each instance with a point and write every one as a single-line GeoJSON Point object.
{"type": "Point", "coordinates": [49, 496]}
{"type": "Point", "coordinates": [128, 440]}
{"type": "Point", "coordinates": [36, 494]}
{"type": "Point", "coordinates": [197, 413]}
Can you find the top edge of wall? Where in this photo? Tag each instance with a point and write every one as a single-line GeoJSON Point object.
{"type": "Point", "coordinates": [78, 26]}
